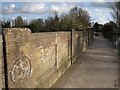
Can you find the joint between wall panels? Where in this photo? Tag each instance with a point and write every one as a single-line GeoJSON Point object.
{"type": "Point", "coordinates": [65, 49]}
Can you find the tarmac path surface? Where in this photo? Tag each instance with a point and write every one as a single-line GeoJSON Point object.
{"type": "Point", "coordinates": [97, 67]}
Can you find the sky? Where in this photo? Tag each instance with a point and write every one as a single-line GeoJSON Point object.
{"type": "Point", "coordinates": [99, 10]}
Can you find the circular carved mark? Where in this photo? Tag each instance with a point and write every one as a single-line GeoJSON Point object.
{"type": "Point", "coordinates": [21, 70]}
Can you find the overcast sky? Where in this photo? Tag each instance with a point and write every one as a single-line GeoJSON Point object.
{"type": "Point", "coordinates": [99, 10]}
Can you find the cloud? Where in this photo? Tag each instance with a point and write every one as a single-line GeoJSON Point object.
{"type": "Point", "coordinates": [88, 10]}
{"type": "Point", "coordinates": [37, 8]}
{"type": "Point", "coordinates": [56, 0]}
{"type": "Point", "coordinates": [42, 8]}
{"type": "Point", "coordinates": [100, 0]}
{"type": "Point", "coordinates": [99, 10]}
{"type": "Point", "coordinates": [103, 20]}
{"type": "Point", "coordinates": [102, 15]}
{"type": "Point", "coordinates": [34, 8]}
{"type": "Point", "coordinates": [0, 8]}
{"type": "Point", "coordinates": [63, 8]}
{"type": "Point", "coordinates": [12, 6]}
{"type": "Point", "coordinates": [8, 9]}
{"type": "Point", "coordinates": [101, 4]}
{"type": "Point", "coordinates": [97, 4]}
{"type": "Point", "coordinates": [96, 10]}
{"type": "Point", "coordinates": [98, 15]}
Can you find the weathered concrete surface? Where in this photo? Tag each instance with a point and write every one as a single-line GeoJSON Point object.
{"type": "Point", "coordinates": [97, 68]}
{"type": "Point", "coordinates": [37, 60]}
{"type": "Point", "coordinates": [119, 64]}
{"type": "Point", "coordinates": [1, 58]}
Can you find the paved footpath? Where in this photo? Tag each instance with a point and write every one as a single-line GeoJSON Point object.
{"type": "Point", "coordinates": [97, 67]}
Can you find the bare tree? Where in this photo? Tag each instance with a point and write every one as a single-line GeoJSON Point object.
{"type": "Point", "coordinates": [116, 12]}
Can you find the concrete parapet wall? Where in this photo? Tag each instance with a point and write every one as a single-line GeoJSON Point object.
{"type": "Point", "coordinates": [37, 60]}
{"type": "Point", "coordinates": [1, 61]}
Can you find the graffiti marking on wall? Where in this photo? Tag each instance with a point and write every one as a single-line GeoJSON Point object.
{"type": "Point", "coordinates": [21, 70]}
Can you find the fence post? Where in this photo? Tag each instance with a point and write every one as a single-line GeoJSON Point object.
{"type": "Point", "coordinates": [71, 47]}
{"type": "Point", "coordinates": [73, 30]}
